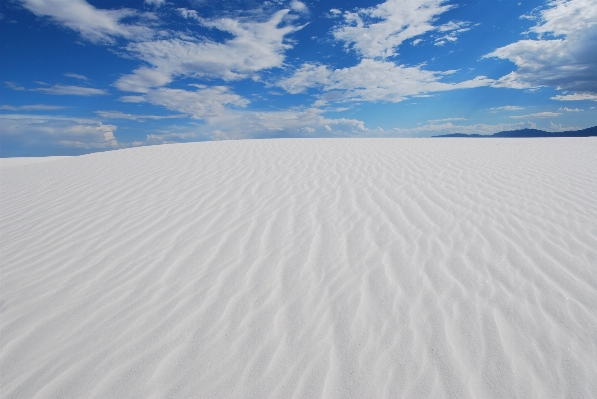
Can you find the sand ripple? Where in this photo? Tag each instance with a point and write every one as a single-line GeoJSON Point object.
{"type": "Point", "coordinates": [343, 268]}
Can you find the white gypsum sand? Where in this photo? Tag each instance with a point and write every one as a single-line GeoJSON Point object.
{"type": "Point", "coordinates": [335, 268]}
{"type": "Point", "coordinates": [6, 163]}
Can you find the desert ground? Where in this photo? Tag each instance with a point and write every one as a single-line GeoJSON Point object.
{"type": "Point", "coordinates": [302, 268]}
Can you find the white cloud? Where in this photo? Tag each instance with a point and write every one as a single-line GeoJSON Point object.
{"type": "Point", "coordinates": [168, 138]}
{"type": "Point", "coordinates": [132, 99]}
{"type": "Point", "coordinates": [299, 6]}
{"type": "Point", "coordinates": [575, 97]}
{"type": "Point", "coordinates": [378, 31]}
{"type": "Point", "coordinates": [156, 3]}
{"type": "Point", "coordinates": [71, 90]}
{"type": "Point", "coordinates": [241, 124]}
{"type": "Point", "coordinates": [564, 54]}
{"type": "Point", "coordinates": [290, 123]}
{"type": "Point", "coordinates": [34, 107]}
{"type": "Point", "coordinates": [447, 128]}
{"type": "Point", "coordinates": [561, 128]}
{"type": "Point", "coordinates": [538, 115]}
{"type": "Point", "coordinates": [566, 109]}
{"type": "Point", "coordinates": [96, 25]}
{"type": "Point", "coordinates": [434, 121]}
{"type": "Point", "coordinates": [142, 79]}
{"type": "Point", "coordinates": [452, 29]}
{"type": "Point", "coordinates": [255, 46]}
{"type": "Point", "coordinates": [14, 86]}
{"type": "Point", "coordinates": [565, 17]}
{"type": "Point", "coordinates": [134, 117]}
{"type": "Point", "coordinates": [203, 103]}
{"type": "Point", "coordinates": [189, 14]}
{"type": "Point", "coordinates": [308, 75]}
{"type": "Point", "coordinates": [42, 131]}
{"type": "Point", "coordinates": [372, 80]}
{"type": "Point", "coordinates": [508, 108]}
{"type": "Point", "coordinates": [76, 76]}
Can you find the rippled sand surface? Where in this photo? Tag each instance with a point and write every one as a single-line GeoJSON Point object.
{"type": "Point", "coordinates": [303, 268]}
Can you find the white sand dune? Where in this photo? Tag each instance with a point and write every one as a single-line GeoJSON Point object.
{"type": "Point", "coordinates": [6, 163]}
{"type": "Point", "coordinates": [303, 268]}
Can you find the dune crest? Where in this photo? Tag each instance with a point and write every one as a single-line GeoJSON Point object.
{"type": "Point", "coordinates": [335, 268]}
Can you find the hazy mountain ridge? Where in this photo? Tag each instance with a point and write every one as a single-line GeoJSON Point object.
{"type": "Point", "coordinates": [527, 133]}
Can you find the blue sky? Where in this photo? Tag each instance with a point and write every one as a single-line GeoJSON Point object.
{"type": "Point", "coordinates": [82, 76]}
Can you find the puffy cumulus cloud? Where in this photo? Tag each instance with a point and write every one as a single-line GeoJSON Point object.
{"type": "Point", "coordinates": [575, 97]}
{"type": "Point", "coordinates": [65, 90]}
{"type": "Point", "coordinates": [299, 6]}
{"type": "Point", "coordinates": [378, 31]}
{"type": "Point", "coordinates": [563, 55]}
{"type": "Point", "coordinates": [255, 46]}
{"type": "Point", "coordinates": [447, 128]}
{"type": "Point", "coordinates": [96, 25]}
{"type": "Point", "coordinates": [564, 17]}
{"type": "Point", "coordinates": [42, 130]}
{"type": "Point", "coordinates": [372, 80]}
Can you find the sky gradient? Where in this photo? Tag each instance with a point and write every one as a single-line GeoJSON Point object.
{"type": "Point", "coordinates": [82, 76]}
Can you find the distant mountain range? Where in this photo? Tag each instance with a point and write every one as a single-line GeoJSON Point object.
{"type": "Point", "coordinates": [589, 132]}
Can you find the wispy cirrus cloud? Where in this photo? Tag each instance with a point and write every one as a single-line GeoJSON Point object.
{"type": "Point", "coordinates": [155, 3]}
{"type": "Point", "coordinates": [378, 31]}
{"type": "Point", "coordinates": [255, 46]}
{"type": "Point", "coordinates": [434, 121]}
{"type": "Point", "coordinates": [94, 24]}
{"type": "Point", "coordinates": [135, 117]}
{"type": "Point", "coordinates": [372, 80]}
{"type": "Point", "coordinates": [448, 33]}
{"type": "Point", "coordinates": [537, 115]}
{"type": "Point", "coordinates": [375, 34]}
{"type": "Point", "coordinates": [67, 90]}
{"type": "Point", "coordinates": [76, 76]}
{"type": "Point", "coordinates": [203, 103]}
{"type": "Point", "coordinates": [33, 107]}
{"type": "Point", "coordinates": [576, 97]}
{"type": "Point", "coordinates": [14, 86]}
{"type": "Point", "coordinates": [507, 108]}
